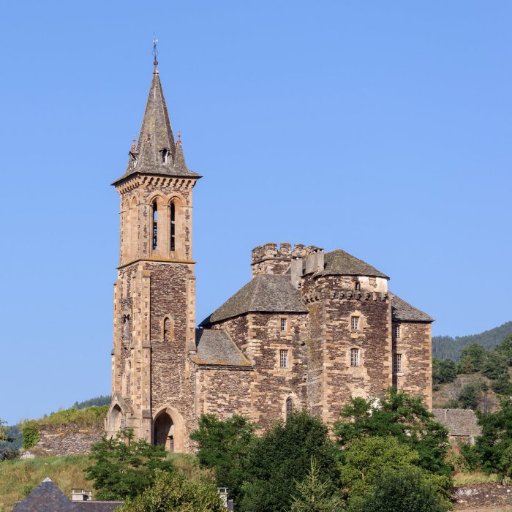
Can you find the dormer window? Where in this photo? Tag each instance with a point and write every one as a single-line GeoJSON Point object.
{"type": "Point", "coordinates": [165, 155]}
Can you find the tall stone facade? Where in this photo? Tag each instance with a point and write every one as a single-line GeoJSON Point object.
{"type": "Point", "coordinates": [309, 331]}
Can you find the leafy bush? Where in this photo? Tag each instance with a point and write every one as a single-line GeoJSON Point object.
{"type": "Point", "coordinates": [283, 455]}
{"type": "Point", "coordinates": [471, 359]}
{"type": "Point", "coordinates": [30, 432]}
{"type": "Point", "coordinates": [124, 468]}
{"type": "Point", "coordinates": [224, 446]}
{"type": "Point", "coordinates": [402, 490]}
{"type": "Point", "coordinates": [401, 416]}
{"type": "Point", "coordinates": [470, 394]}
{"type": "Point", "coordinates": [90, 417]}
{"type": "Point", "coordinates": [174, 491]}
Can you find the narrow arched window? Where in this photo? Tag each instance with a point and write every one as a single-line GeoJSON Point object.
{"type": "Point", "coordinates": [173, 226]}
{"type": "Point", "coordinates": [289, 407]}
{"type": "Point", "coordinates": [155, 226]}
{"type": "Point", "coordinates": [168, 329]}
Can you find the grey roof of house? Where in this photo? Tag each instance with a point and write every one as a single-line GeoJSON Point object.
{"type": "Point", "coordinates": [264, 293]}
{"type": "Point", "coordinates": [215, 347]}
{"type": "Point", "coordinates": [339, 262]}
{"type": "Point", "coordinates": [459, 422]}
{"type": "Point", "coordinates": [156, 136]}
{"type": "Point", "coordinates": [47, 497]}
{"type": "Point", "coordinates": [404, 312]}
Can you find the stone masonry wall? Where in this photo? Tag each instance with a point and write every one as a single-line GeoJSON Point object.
{"type": "Point", "coordinates": [333, 306]}
{"type": "Point", "coordinates": [62, 440]}
{"type": "Point", "coordinates": [415, 345]}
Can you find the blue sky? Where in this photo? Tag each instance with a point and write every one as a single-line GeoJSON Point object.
{"type": "Point", "coordinates": [382, 128]}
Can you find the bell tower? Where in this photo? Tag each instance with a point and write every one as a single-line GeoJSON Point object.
{"type": "Point", "coordinates": [154, 294]}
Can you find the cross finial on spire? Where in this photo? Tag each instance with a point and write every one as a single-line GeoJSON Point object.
{"type": "Point", "coordinates": [155, 53]}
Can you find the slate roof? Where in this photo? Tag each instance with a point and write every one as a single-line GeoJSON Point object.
{"type": "Point", "coordinates": [404, 312]}
{"type": "Point", "coordinates": [459, 422]}
{"type": "Point", "coordinates": [339, 262]}
{"type": "Point", "coordinates": [264, 293]}
{"type": "Point", "coordinates": [215, 347]}
{"type": "Point", "coordinates": [156, 135]}
{"type": "Point", "coordinates": [47, 497]}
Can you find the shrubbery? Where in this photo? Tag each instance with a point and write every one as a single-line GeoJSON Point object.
{"type": "Point", "coordinates": [30, 432]}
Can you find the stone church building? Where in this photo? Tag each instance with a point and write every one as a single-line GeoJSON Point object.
{"type": "Point", "coordinates": [309, 331]}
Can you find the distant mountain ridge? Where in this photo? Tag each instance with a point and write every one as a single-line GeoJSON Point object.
{"type": "Point", "coordinates": [446, 347]}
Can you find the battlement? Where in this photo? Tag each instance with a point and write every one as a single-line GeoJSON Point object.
{"type": "Point", "coordinates": [272, 258]}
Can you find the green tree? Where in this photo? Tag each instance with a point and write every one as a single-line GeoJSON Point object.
{"type": "Point", "coordinates": [495, 365]}
{"type": "Point", "coordinates": [402, 490]}
{"type": "Point", "coordinates": [443, 371]}
{"type": "Point", "coordinates": [401, 416]}
{"type": "Point", "coordinates": [469, 396]}
{"type": "Point", "coordinates": [224, 446]}
{"type": "Point", "coordinates": [3, 431]}
{"type": "Point", "coordinates": [494, 446]}
{"type": "Point", "coordinates": [315, 494]}
{"type": "Point", "coordinates": [124, 468]}
{"type": "Point", "coordinates": [177, 493]}
{"type": "Point", "coordinates": [281, 457]}
{"type": "Point", "coordinates": [505, 349]}
{"type": "Point", "coordinates": [471, 359]}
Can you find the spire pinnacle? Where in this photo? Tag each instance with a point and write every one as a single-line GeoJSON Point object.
{"type": "Point", "coordinates": [155, 55]}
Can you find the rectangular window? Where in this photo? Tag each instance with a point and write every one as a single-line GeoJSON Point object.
{"type": "Point", "coordinates": [354, 323]}
{"type": "Point", "coordinates": [283, 358]}
{"type": "Point", "coordinates": [354, 357]}
{"type": "Point", "coordinates": [284, 324]}
{"type": "Point", "coordinates": [396, 331]}
{"type": "Point", "coordinates": [397, 363]}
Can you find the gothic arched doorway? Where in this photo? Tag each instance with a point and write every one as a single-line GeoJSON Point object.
{"type": "Point", "coordinates": [163, 432]}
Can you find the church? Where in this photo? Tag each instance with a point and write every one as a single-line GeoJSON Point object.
{"type": "Point", "coordinates": [310, 330]}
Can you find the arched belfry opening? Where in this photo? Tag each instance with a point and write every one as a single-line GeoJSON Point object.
{"type": "Point", "coordinates": [163, 432]}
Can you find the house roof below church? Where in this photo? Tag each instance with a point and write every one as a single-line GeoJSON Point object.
{"type": "Point", "coordinates": [339, 262]}
{"type": "Point", "coordinates": [47, 497]}
{"type": "Point", "coordinates": [216, 348]}
{"type": "Point", "coordinates": [404, 312]}
{"type": "Point", "coordinates": [266, 293]}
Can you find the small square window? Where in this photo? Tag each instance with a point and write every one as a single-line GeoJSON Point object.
{"type": "Point", "coordinates": [397, 363]}
{"type": "Point", "coordinates": [354, 323]}
{"type": "Point", "coordinates": [354, 357]}
{"type": "Point", "coordinates": [284, 324]}
{"type": "Point", "coordinates": [283, 359]}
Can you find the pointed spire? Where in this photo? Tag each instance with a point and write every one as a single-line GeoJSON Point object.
{"type": "Point", "coordinates": [179, 161]}
{"type": "Point", "coordinates": [156, 151]}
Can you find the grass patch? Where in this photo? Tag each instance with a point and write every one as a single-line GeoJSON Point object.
{"type": "Point", "coordinates": [474, 477]}
{"type": "Point", "coordinates": [19, 477]}
{"type": "Point", "coordinates": [89, 417]}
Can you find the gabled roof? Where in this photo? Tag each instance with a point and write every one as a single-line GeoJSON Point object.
{"type": "Point", "coordinates": [339, 262]}
{"type": "Point", "coordinates": [46, 497]}
{"type": "Point", "coordinates": [156, 136]}
{"type": "Point", "coordinates": [404, 312]}
{"type": "Point", "coordinates": [265, 293]}
{"type": "Point", "coordinates": [215, 347]}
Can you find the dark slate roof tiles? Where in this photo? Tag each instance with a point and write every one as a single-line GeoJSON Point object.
{"type": "Point", "coordinates": [215, 347]}
{"type": "Point", "coordinates": [46, 497]}
{"type": "Point", "coordinates": [264, 293]}
{"type": "Point", "coordinates": [404, 312]}
{"type": "Point", "coordinates": [339, 262]}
